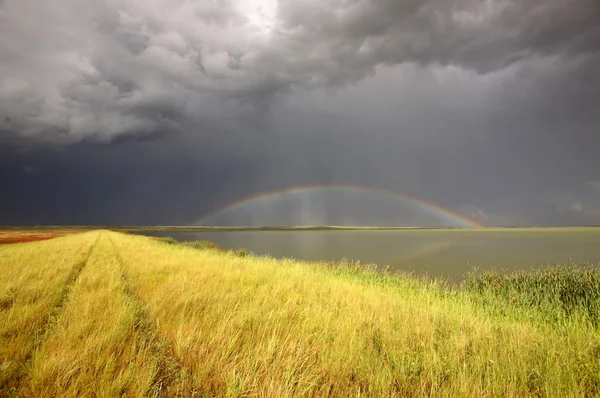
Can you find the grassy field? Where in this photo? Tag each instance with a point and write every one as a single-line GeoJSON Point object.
{"type": "Point", "coordinates": [107, 314]}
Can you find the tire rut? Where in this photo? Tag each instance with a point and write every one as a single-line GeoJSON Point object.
{"type": "Point", "coordinates": [173, 378]}
{"type": "Point", "coordinates": [53, 317]}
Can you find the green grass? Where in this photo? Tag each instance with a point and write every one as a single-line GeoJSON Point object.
{"type": "Point", "coordinates": [204, 245]}
{"type": "Point", "coordinates": [555, 294]}
{"type": "Point", "coordinates": [140, 317]}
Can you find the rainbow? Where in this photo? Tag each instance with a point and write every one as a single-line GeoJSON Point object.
{"type": "Point", "coordinates": [426, 206]}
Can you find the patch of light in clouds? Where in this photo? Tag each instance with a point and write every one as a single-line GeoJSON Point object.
{"type": "Point", "coordinates": [260, 13]}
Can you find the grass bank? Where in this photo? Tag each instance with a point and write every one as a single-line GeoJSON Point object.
{"type": "Point", "coordinates": [129, 315]}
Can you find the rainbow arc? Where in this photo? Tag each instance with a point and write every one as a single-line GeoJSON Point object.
{"type": "Point", "coordinates": [429, 207]}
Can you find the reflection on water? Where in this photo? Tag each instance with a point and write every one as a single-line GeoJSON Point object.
{"type": "Point", "coordinates": [447, 253]}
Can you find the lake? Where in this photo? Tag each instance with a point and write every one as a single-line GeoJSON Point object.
{"type": "Point", "coordinates": [439, 253]}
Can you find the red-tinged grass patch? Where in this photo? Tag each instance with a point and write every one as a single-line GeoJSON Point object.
{"type": "Point", "coordinates": [22, 236]}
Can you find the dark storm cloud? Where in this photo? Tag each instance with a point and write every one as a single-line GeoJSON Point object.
{"type": "Point", "coordinates": [484, 107]}
{"type": "Point", "coordinates": [135, 182]}
{"type": "Point", "coordinates": [74, 70]}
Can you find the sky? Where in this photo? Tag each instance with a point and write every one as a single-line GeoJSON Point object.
{"type": "Point", "coordinates": [156, 112]}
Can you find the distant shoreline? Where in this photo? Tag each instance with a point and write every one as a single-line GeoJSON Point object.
{"type": "Point", "coordinates": [175, 228]}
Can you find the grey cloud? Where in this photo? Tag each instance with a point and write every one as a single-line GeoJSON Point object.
{"type": "Point", "coordinates": [482, 35]}
{"type": "Point", "coordinates": [98, 69]}
{"type": "Point", "coordinates": [106, 69]}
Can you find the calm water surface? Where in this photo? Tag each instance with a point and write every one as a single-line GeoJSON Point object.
{"type": "Point", "coordinates": [446, 253]}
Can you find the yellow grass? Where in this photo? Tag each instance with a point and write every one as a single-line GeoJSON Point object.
{"type": "Point", "coordinates": [99, 346]}
{"type": "Point", "coordinates": [34, 281]}
{"type": "Point", "coordinates": [144, 318]}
